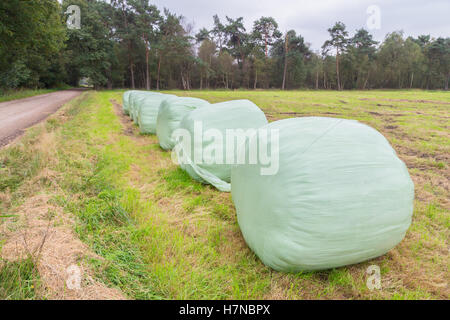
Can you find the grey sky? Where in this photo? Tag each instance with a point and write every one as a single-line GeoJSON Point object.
{"type": "Point", "coordinates": [312, 18]}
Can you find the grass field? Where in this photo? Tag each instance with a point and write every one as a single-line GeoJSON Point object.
{"type": "Point", "coordinates": [156, 234]}
{"type": "Point", "coordinates": [21, 94]}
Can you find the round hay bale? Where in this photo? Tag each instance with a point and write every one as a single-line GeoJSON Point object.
{"type": "Point", "coordinates": [147, 111]}
{"type": "Point", "coordinates": [340, 196]}
{"type": "Point", "coordinates": [126, 103]}
{"type": "Point", "coordinates": [136, 102]}
{"type": "Point", "coordinates": [169, 117]}
{"type": "Point", "coordinates": [205, 158]}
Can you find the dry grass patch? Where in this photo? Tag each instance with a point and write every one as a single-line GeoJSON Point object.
{"type": "Point", "coordinates": [46, 234]}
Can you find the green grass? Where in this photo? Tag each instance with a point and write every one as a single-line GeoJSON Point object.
{"type": "Point", "coordinates": [23, 93]}
{"type": "Point", "coordinates": [18, 280]}
{"type": "Point", "coordinates": [17, 165]}
{"type": "Point", "coordinates": [162, 235]}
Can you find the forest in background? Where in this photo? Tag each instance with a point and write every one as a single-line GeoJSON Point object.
{"type": "Point", "coordinates": [131, 43]}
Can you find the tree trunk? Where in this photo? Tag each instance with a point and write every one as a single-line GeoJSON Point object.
{"type": "Point", "coordinates": [133, 85]}
{"type": "Point", "coordinates": [284, 74]}
{"type": "Point", "coordinates": [317, 79]}
{"type": "Point", "coordinates": [267, 46]}
{"type": "Point", "coordinates": [159, 70]}
{"type": "Point", "coordinates": [183, 81]}
{"type": "Point", "coordinates": [147, 71]}
{"type": "Point", "coordinates": [130, 58]}
{"type": "Point", "coordinates": [256, 79]}
{"type": "Point", "coordinates": [223, 80]}
{"type": "Point", "coordinates": [356, 81]}
{"type": "Point", "coordinates": [147, 68]}
{"type": "Point", "coordinates": [367, 79]}
{"type": "Point", "coordinates": [201, 80]}
{"type": "Point", "coordinates": [110, 80]}
{"type": "Point", "coordinates": [337, 70]}
{"type": "Point", "coordinates": [446, 81]}
{"type": "Point", "coordinates": [412, 80]}
{"type": "Point", "coordinates": [286, 49]}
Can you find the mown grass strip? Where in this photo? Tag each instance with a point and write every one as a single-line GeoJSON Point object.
{"type": "Point", "coordinates": [104, 210]}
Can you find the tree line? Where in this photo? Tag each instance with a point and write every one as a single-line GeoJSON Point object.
{"type": "Point", "coordinates": [131, 43]}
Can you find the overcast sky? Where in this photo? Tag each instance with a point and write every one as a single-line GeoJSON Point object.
{"type": "Point", "coordinates": [312, 18]}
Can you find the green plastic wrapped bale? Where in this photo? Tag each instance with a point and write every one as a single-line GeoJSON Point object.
{"type": "Point", "coordinates": [169, 117]}
{"type": "Point", "coordinates": [199, 155]}
{"type": "Point", "coordinates": [138, 103]}
{"type": "Point", "coordinates": [137, 99]}
{"type": "Point", "coordinates": [341, 196]}
{"type": "Point", "coordinates": [131, 97]}
{"type": "Point", "coordinates": [126, 102]}
{"type": "Point", "coordinates": [147, 111]}
{"type": "Point", "coordinates": [132, 102]}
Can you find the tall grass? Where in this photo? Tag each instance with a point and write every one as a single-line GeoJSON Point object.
{"type": "Point", "coordinates": [18, 280]}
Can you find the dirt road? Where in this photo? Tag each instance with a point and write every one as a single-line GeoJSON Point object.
{"type": "Point", "coordinates": [17, 115]}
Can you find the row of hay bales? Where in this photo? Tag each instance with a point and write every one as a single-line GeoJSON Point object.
{"type": "Point", "coordinates": [162, 114]}
{"type": "Point", "coordinates": [340, 195]}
